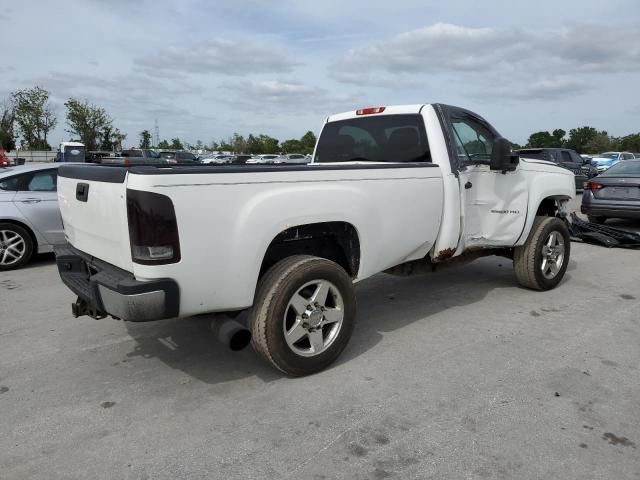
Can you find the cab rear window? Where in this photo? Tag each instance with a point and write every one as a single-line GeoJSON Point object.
{"type": "Point", "coordinates": [387, 138]}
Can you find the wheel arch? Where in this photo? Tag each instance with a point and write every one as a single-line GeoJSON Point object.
{"type": "Point", "coordinates": [549, 205]}
{"type": "Point", "coordinates": [337, 241]}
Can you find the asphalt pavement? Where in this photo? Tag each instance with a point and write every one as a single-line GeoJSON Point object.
{"type": "Point", "coordinates": [454, 375]}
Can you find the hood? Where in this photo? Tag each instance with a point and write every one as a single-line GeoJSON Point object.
{"type": "Point", "coordinates": [536, 165]}
{"type": "Point", "coordinates": [602, 160]}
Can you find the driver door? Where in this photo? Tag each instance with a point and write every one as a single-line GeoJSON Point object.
{"type": "Point", "coordinates": [494, 205]}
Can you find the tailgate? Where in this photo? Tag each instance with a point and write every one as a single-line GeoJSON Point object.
{"type": "Point", "coordinates": [93, 205]}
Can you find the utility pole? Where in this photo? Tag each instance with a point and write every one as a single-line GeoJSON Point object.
{"type": "Point", "coordinates": [156, 134]}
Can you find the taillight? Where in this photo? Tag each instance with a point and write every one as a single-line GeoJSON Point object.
{"type": "Point", "coordinates": [592, 186]}
{"type": "Point", "coordinates": [153, 229]}
{"type": "Point", "coordinates": [370, 110]}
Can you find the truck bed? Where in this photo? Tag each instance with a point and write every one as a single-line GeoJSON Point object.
{"type": "Point", "coordinates": [227, 216]}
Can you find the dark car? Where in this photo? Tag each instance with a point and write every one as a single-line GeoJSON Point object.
{"type": "Point", "coordinates": [179, 157]}
{"type": "Point", "coordinates": [615, 193]}
{"type": "Point", "coordinates": [565, 158]}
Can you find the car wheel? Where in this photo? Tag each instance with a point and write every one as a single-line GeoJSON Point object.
{"type": "Point", "coordinates": [303, 314]}
{"type": "Point", "coordinates": [540, 264]}
{"type": "Point", "coordinates": [16, 246]}
{"type": "Point", "coordinates": [598, 220]}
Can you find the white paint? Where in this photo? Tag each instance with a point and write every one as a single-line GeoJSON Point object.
{"type": "Point", "coordinates": [227, 221]}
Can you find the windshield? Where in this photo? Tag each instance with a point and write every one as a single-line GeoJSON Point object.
{"type": "Point", "coordinates": [608, 155]}
{"type": "Point", "coordinates": [388, 138]}
{"type": "Point", "coordinates": [623, 168]}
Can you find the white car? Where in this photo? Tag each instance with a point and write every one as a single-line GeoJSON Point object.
{"type": "Point", "coordinates": [293, 158]}
{"type": "Point", "coordinates": [263, 158]}
{"type": "Point", "coordinates": [29, 216]}
{"type": "Point", "coordinates": [403, 190]}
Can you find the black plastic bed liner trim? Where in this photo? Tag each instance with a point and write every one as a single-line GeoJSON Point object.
{"type": "Point", "coordinates": [117, 174]}
{"type": "Point", "coordinates": [269, 168]}
{"type": "Point", "coordinates": [99, 173]}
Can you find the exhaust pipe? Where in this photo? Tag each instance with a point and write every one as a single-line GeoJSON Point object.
{"type": "Point", "coordinates": [231, 332]}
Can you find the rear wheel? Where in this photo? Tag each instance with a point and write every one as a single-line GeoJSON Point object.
{"type": "Point", "coordinates": [303, 314]}
{"type": "Point", "coordinates": [540, 264]}
{"type": "Point", "coordinates": [595, 219]}
{"type": "Point", "coordinates": [16, 246]}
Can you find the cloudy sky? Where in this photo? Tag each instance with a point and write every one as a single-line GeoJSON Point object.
{"type": "Point", "coordinates": [205, 69]}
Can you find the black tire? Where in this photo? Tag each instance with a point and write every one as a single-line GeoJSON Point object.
{"type": "Point", "coordinates": [528, 258]}
{"type": "Point", "coordinates": [267, 317]}
{"type": "Point", "coordinates": [598, 220]}
{"type": "Point", "coordinates": [9, 264]}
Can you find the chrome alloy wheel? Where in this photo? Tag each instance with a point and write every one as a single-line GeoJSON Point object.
{"type": "Point", "coordinates": [313, 318]}
{"type": "Point", "coordinates": [553, 252]}
{"type": "Point", "coordinates": [12, 247]}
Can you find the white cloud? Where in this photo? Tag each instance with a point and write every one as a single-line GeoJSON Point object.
{"type": "Point", "coordinates": [218, 56]}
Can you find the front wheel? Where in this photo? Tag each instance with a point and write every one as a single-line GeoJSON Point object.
{"type": "Point", "coordinates": [540, 264]}
{"type": "Point", "coordinates": [303, 314]}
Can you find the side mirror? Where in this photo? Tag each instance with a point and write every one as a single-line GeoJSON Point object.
{"type": "Point", "coordinates": [502, 158]}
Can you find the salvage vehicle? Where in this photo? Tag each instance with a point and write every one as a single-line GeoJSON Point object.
{"type": "Point", "coordinates": [566, 158]}
{"type": "Point", "coordinates": [30, 221]}
{"type": "Point", "coordinates": [401, 190]}
{"type": "Point", "coordinates": [615, 193]}
{"type": "Point", "coordinates": [605, 160]}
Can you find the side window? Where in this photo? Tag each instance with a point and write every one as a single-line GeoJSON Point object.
{"type": "Point", "coordinates": [576, 158]}
{"type": "Point", "coordinates": [566, 157]}
{"type": "Point", "coordinates": [473, 140]}
{"type": "Point", "coordinates": [10, 184]}
{"type": "Point", "coordinates": [42, 182]}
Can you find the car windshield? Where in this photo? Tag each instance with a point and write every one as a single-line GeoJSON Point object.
{"type": "Point", "coordinates": [387, 138]}
{"type": "Point", "coordinates": [609, 155]}
{"type": "Point", "coordinates": [623, 168]}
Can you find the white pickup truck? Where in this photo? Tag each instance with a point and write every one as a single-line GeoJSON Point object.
{"type": "Point", "coordinates": [401, 190]}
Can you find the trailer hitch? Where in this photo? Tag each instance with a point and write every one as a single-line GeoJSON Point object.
{"type": "Point", "coordinates": [80, 308]}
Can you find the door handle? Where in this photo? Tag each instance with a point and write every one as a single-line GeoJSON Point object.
{"type": "Point", "coordinates": [468, 185]}
{"type": "Point", "coordinates": [31, 200]}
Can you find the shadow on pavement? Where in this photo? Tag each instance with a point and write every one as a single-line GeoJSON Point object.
{"type": "Point", "coordinates": [40, 260]}
{"type": "Point", "coordinates": [385, 303]}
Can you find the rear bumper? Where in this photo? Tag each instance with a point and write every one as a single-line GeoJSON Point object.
{"type": "Point", "coordinates": [611, 211]}
{"type": "Point", "coordinates": [108, 290]}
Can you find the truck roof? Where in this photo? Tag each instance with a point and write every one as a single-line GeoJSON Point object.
{"type": "Point", "coordinates": [388, 110]}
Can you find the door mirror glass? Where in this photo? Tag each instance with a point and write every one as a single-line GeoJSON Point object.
{"type": "Point", "coordinates": [502, 158]}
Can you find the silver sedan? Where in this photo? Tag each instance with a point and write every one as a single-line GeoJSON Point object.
{"type": "Point", "coordinates": [29, 216]}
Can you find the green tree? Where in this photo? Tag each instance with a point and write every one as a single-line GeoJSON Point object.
{"type": "Point", "coordinates": [545, 139]}
{"type": "Point", "coordinates": [307, 142]}
{"type": "Point", "coordinates": [599, 143]}
{"type": "Point", "coordinates": [579, 138]}
{"type": "Point", "coordinates": [164, 145]}
{"type": "Point", "coordinates": [238, 143]}
{"type": "Point", "coordinates": [291, 146]}
{"type": "Point", "coordinates": [145, 139]}
{"type": "Point", "coordinates": [176, 144]}
{"type": "Point", "coordinates": [111, 138]}
{"type": "Point", "coordinates": [34, 116]}
{"type": "Point", "coordinates": [87, 122]}
{"type": "Point", "coordinates": [630, 143]}
{"type": "Point", "coordinates": [7, 121]}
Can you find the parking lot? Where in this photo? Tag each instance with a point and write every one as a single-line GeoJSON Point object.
{"type": "Point", "coordinates": [454, 375]}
